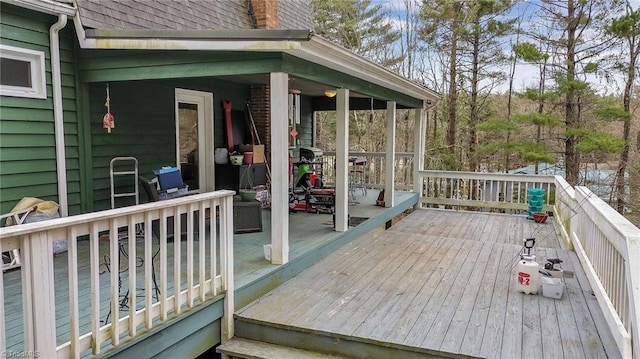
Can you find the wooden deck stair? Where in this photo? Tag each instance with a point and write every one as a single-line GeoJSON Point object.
{"type": "Point", "coordinates": [251, 349]}
{"type": "Point", "coordinates": [255, 339]}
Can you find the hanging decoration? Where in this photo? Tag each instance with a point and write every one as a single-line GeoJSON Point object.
{"type": "Point", "coordinates": [108, 121]}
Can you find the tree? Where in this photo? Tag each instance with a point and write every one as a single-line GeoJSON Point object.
{"type": "Point", "coordinates": [532, 55]}
{"type": "Point", "coordinates": [575, 41]}
{"type": "Point", "coordinates": [359, 26]}
{"type": "Point", "coordinates": [443, 24]}
{"type": "Point", "coordinates": [366, 29]}
{"type": "Point", "coordinates": [627, 29]}
{"type": "Point", "coordinates": [482, 34]}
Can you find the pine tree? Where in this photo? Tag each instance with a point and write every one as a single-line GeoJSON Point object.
{"type": "Point", "coordinates": [627, 29]}
{"type": "Point", "coordinates": [357, 25]}
{"type": "Point", "coordinates": [574, 41]}
{"type": "Point", "coordinates": [483, 34]}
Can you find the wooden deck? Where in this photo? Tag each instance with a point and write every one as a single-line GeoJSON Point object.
{"type": "Point", "coordinates": [438, 283]}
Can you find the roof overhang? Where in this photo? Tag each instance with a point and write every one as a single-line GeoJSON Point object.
{"type": "Point", "coordinates": [326, 53]}
{"type": "Point", "coordinates": [52, 7]}
{"type": "Point", "coordinates": [298, 43]}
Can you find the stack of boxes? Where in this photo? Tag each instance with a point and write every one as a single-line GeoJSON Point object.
{"type": "Point", "coordinates": [256, 153]}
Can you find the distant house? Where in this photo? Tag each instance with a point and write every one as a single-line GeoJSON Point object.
{"type": "Point", "coordinates": [62, 61]}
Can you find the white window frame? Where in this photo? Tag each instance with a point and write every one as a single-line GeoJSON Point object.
{"type": "Point", "coordinates": [36, 60]}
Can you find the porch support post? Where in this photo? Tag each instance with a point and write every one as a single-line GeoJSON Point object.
{"type": "Point", "coordinates": [38, 295]}
{"type": "Point", "coordinates": [226, 254]}
{"type": "Point", "coordinates": [419, 140]}
{"type": "Point", "coordinates": [279, 168]}
{"type": "Point", "coordinates": [342, 163]}
{"type": "Point", "coordinates": [389, 178]}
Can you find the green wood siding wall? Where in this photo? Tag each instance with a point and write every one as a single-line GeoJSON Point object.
{"type": "Point", "coordinates": [305, 128]}
{"type": "Point", "coordinates": [27, 139]}
{"type": "Point", "coordinates": [144, 114]}
{"type": "Point", "coordinates": [122, 65]}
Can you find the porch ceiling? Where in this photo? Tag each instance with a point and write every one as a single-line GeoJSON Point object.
{"type": "Point", "coordinates": [316, 91]}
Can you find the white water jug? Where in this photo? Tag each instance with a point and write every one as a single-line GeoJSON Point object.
{"type": "Point", "coordinates": [528, 276]}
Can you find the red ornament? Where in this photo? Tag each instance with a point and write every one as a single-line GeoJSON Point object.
{"type": "Point", "coordinates": [108, 121]}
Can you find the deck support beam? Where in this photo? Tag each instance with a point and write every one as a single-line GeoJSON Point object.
{"type": "Point", "coordinates": [390, 175]}
{"type": "Point", "coordinates": [342, 160]}
{"type": "Point", "coordinates": [279, 168]}
{"type": "Point", "coordinates": [419, 140]}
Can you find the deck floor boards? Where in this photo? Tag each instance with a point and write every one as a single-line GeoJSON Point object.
{"type": "Point", "coordinates": [443, 281]}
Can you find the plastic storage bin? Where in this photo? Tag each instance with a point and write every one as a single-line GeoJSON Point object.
{"type": "Point", "coordinates": [551, 287]}
{"type": "Point", "coordinates": [169, 177]}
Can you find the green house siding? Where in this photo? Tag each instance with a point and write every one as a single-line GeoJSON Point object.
{"type": "Point", "coordinates": [27, 139]}
{"type": "Point", "coordinates": [144, 113]}
{"type": "Point", "coordinates": [305, 128]}
{"type": "Point", "coordinates": [122, 65]}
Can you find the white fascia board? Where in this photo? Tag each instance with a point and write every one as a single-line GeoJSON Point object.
{"type": "Point", "coordinates": [172, 44]}
{"type": "Point", "coordinates": [132, 40]}
{"type": "Point", "coordinates": [326, 53]}
{"type": "Point", "coordinates": [44, 6]}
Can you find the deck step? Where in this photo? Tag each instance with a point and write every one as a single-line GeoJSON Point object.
{"type": "Point", "coordinates": [325, 344]}
{"type": "Point", "coordinates": [251, 349]}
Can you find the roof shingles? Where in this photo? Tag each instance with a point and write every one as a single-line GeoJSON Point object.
{"type": "Point", "coordinates": [185, 14]}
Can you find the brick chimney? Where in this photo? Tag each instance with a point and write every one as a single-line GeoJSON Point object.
{"type": "Point", "coordinates": [265, 13]}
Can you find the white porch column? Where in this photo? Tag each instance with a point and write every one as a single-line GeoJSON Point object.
{"type": "Point", "coordinates": [279, 169]}
{"type": "Point", "coordinates": [390, 172]}
{"type": "Point", "coordinates": [418, 150]}
{"type": "Point", "coordinates": [342, 161]}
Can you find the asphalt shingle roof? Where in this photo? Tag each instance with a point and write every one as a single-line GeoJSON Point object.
{"type": "Point", "coordinates": [185, 14]}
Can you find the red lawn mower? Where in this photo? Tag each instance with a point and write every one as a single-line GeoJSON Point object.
{"type": "Point", "coordinates": [308, 193]}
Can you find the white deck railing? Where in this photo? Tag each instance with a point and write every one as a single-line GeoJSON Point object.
{"type": "Point", "coordinates": [608, 246]}
{"type": "Point", "coordinates": [163, 283]}
{"type": "Point", "coordinates": [483, 190]}
{"type": "Point", "coordinates": [373, 169]}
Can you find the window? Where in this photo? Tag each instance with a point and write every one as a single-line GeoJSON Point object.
{"type": "Point", "coordinates": [22, 72]}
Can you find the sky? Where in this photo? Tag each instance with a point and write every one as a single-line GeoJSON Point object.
{"type": "Point", "coordinates": [525, 74]}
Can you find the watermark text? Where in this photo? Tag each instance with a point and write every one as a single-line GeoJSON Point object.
{"type": "Point", "coordinates": [30, 354]}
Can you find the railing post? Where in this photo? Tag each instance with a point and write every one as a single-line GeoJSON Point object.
{"type": "Point", "coordinates": [633, 275]}
{"type": "Point", "coordinates": [226, 255]}
{"type": "Point", "coordinates": [390, 177]}
{"type": "Point", "coordinates": [418, 150]}
{"type": "Point", "coordinates": [38, 295]}
{"type": "Point", "coordinates": [564, 209]}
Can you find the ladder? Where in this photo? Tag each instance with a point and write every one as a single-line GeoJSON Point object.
{"type": "Point", "coordinates": [123, 166]}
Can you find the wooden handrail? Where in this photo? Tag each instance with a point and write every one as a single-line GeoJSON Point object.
{"type": "Point", "coordinates": [166, 301]}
